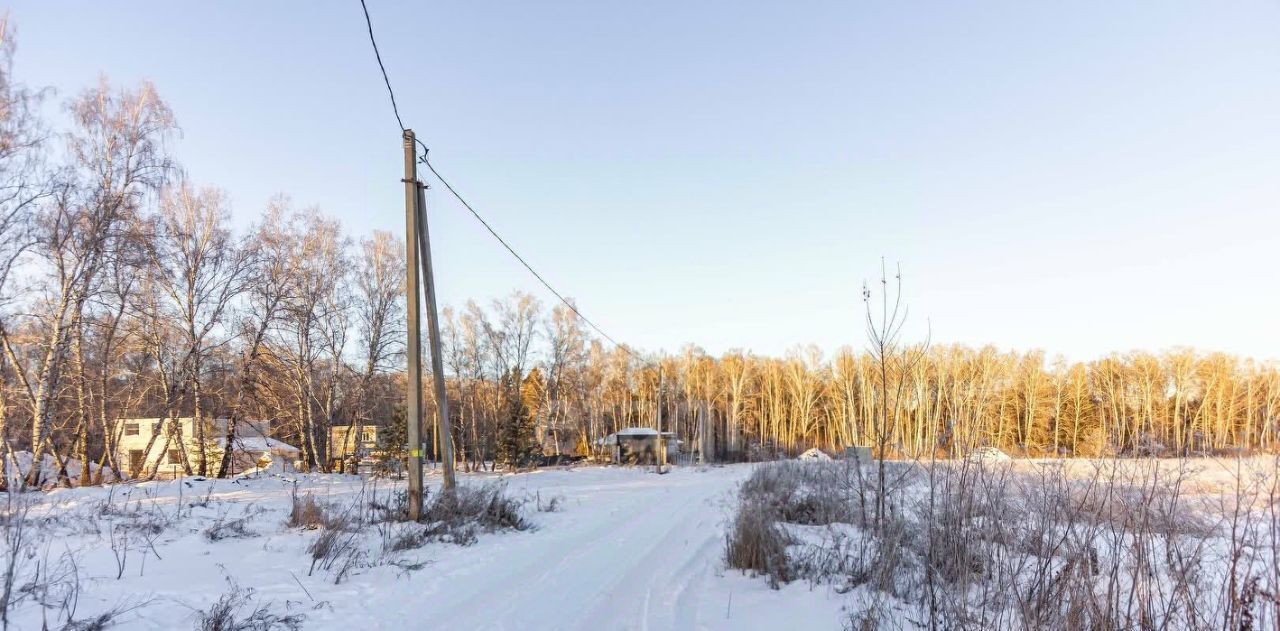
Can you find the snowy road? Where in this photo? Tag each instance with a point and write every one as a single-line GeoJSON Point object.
{"type": "Point", "coordinates": [635, 554]}
{"type": "Point", "coordinates": [629, 549]}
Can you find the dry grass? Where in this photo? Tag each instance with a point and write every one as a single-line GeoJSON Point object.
{"type": "Point", "coordinates": [236, 610]}
{"type": "Point", "coordinates": [228, 528]}
{"type": "Point", "coordinates": [305, 512]}
{"type": "Point", "coordinates": [757, 544]}
{"type": "Point", "coordinates": [1109, 545]}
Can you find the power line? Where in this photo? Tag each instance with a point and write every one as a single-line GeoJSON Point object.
{"type": "Point", "coordinates": [513, 252]}
{"type": "Point", "coordinates": [469, 207]}
{"type": "Point", "coordinates": [378, 55]}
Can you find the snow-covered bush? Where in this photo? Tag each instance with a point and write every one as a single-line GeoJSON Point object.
{"type": "Point", "coordinates": [993, 544]}
{"type": "Point", "coordinates": [801, 492]}
{"type": "Point", "coordinates": [17, 469]}
{"type": "Point", "coordinates": [987, 454]}
{"type": "Point", "coordinates": [473, 509]}
{"type": "Point", "coordinates": [813, 453]}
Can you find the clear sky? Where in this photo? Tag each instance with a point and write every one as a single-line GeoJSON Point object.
{"type": "Point", "coordinates": [1078, 177]}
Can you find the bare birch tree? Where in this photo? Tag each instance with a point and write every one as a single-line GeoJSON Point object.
{"type": "Point", "coordinates": [200, 270]}
{"type": "Point", "coordinates": [117, 158]}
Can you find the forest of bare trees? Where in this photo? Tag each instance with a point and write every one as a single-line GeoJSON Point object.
{"type": "Point", "coordinates": [127, 291]}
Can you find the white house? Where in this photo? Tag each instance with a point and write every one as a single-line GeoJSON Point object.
{"type": "Point", "coordinates": [252, 450]}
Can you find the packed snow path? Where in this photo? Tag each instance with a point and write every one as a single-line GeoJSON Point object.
{"type": "Point", "coordinates": [635, 553]}
{"type": "Point", "coordinates": [627, 549]}
{"type": "Point", "coordinates": [630, 550]}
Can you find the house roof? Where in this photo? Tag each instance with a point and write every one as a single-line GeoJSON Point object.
{"type": "Point", "coordinates": [261, 443]}
{"type": "Point", "coordinates": [637, 431]}
{"type": "Point", "coordinates": [153, 419]}
{"type": "Point", "coordinates": [632, 432]}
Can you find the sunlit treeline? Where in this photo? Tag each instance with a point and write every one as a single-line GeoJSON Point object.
{"type": "Point", "coordinates": [952, 400]}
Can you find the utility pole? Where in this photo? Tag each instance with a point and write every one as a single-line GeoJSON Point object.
{"type": "Point", "coordinates": [702, 432]}
{"type": "Point", "coordinates": [444, 430]}
{"type": "Point", "coordinates": [662, 441]}
{"type": "Point", "coordinates": [413, 415]}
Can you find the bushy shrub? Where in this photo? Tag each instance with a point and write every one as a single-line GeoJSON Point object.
{"type": "Point", "coordinates": [756, 543]}
{"type": "Point", "coordinates": [1058, 544]}
{"type": "Point", "coordinates": [458, 517]}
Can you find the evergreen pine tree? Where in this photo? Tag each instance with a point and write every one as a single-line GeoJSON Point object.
{"type": "Point", "coordinates": [517, 444]}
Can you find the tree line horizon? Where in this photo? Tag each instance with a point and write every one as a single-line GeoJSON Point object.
{"type": "Point", "coordinates": [125, 293]}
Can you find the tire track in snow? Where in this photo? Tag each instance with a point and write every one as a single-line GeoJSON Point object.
{"type": "Point", "coordinates": [633, 563]}
{"type": "Point", "coordinates": [665, 571]}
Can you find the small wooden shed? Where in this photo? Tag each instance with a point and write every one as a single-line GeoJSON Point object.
{"type": "Point", "coordinates": [639, 445]}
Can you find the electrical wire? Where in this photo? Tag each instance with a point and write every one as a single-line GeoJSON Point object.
{"type": "Point", "coordinates": [467, 205]}
{"type": "Point", "coordinates": [378, 55]}
{"type": "Point", "coordinates": [517, 256]}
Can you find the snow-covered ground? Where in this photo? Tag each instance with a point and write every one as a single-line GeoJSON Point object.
{"type": "Point", "coordinates": [610, 548]}
{"type": "Point", "coordinates": [625, 549]}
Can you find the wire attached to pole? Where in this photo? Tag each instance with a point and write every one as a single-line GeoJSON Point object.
{"type": "Point", "coordinates": [423, 158]}
{"type": "Point", "coordinates": [369, 23]}
{"type": "Point", "coordinates": [515, 254]}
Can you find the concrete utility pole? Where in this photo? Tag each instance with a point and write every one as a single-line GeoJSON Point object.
{"type": "Point", "coordinates": [413, 411]}
{"type": "Point", "coordinates": [444, 431]}
{"type": "Point", "coordinates": [662, 442]}
{"type": "Point", "coordinates": [702, 432]}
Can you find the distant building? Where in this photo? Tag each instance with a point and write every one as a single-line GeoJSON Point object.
{"type": "Point", "coordinates": [638, 445]}
{"type": "Point", "coordinates": [860, 455]}
{"type": "Point", "coordinates": [350, 453]}
{"type": "Point", "coordinates": [252, 449]}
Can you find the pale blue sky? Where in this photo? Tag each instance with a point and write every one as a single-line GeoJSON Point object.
{"type": "Point", "coordinates": [1078, 177]}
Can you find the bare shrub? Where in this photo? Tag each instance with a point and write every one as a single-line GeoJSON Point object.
{"type": "Point", "coordinates": [226, 614]}
{"type": "Point", "coordinates": [778, 497]}
{"type": "Point", "coordinates": [337, 548]}
{"type": "Point", "coordinates": [202, 502]}
{"type": "Point", "coordinates": [148, 527]}
{"type": "Point", "coordinates": [1046, 545]}
{"type": "Point", "coordinates": [106, 619]}
{"type": "Point", "coordinates": [812, 493]}
{"type": "Point", "coordinates": [131, 525]}
{"type": "Point", "coordinates": [305, 511]}
{"type": "Point", "coordinates": [470, 510]}
{"type": "Point", "coordinates": [393, 507]}
{"type": "Point", "coordinates": [33, 573]}
{"type": "Point", "coordinates": [757, 544]}
{"type": "Point", "coordinates": [459, 517]}
{"type": "Point", "coordinates": [224, 528]}
{"type": "Point", "coordinates": [398, 537]}
{"type": "Point", "coordinates": [18, 551]}
{"type": "Point", "coordinates": [119, 540]}
{"type": "Point", "coordinates": [553, 505]}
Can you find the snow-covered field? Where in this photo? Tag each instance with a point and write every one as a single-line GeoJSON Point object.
{"type": "Point", "coordinates": [624, 549]}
